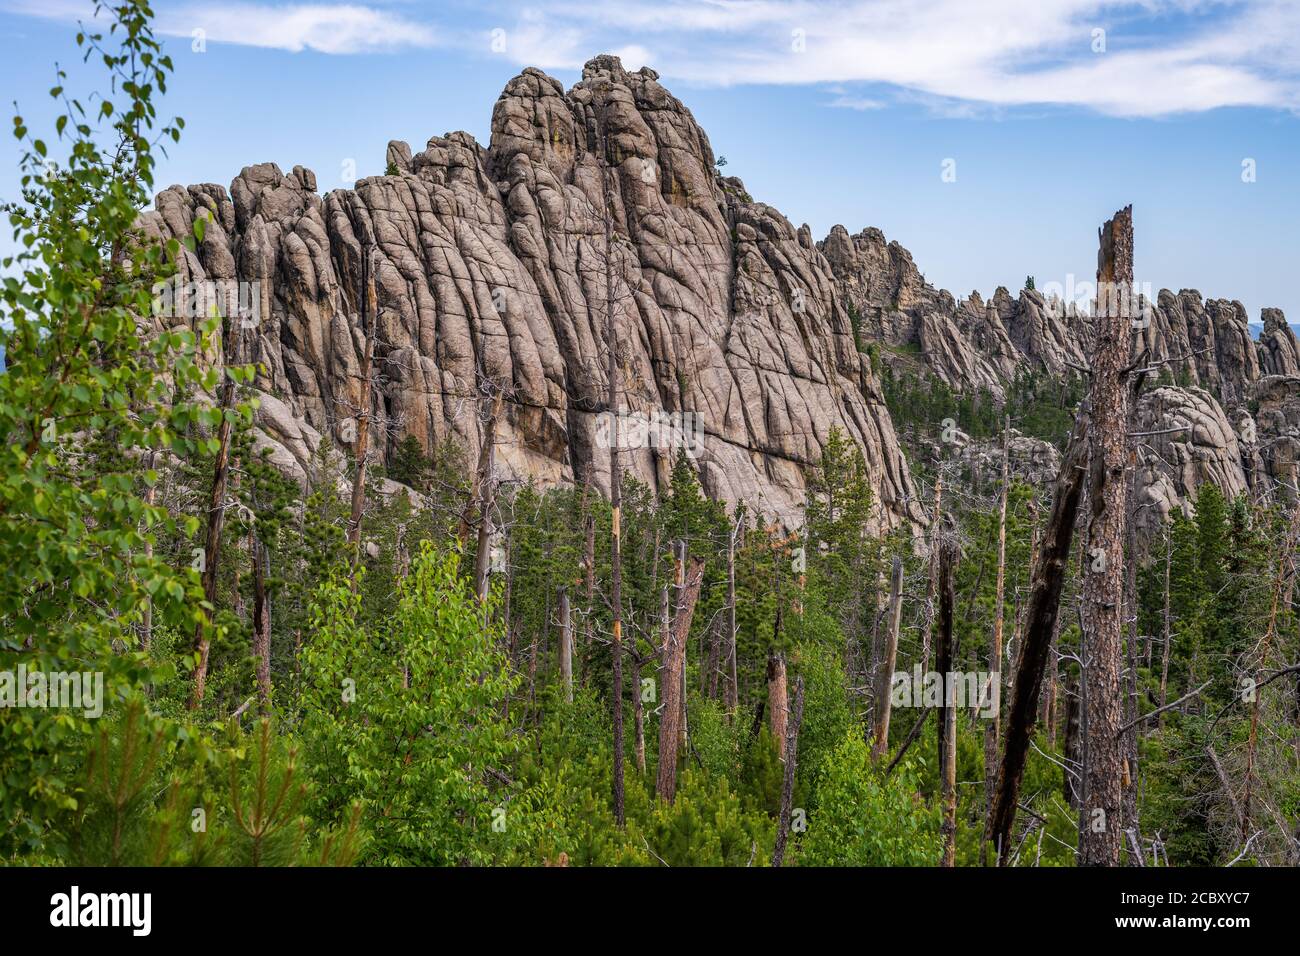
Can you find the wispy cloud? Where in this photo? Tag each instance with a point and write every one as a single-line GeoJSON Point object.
{"type": "Point", "coordinates": [1119, 57]}
{"type": "Point", "coordinates": [323, 27]}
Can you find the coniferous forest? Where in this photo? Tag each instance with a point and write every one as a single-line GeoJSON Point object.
{"type": "Point", "coordinates": [426, 659]}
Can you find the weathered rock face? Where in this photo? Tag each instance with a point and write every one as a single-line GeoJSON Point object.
{"type": "Point", "coordinates": [1279, 353]}
{"type": "Point", "coordinates": [491, 263]}
{"type": "Point", "coordinates": [968, 344]}
{"type": "Point", "coordinates": [1201, 352]}
{"type": "Point", "coordinates": [1184, 440]}
{"type": "Point", "coordinates": [1278, 434]}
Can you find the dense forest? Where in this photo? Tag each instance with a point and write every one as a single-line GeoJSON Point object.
{"type": "Point", "coordinates": [422, 665]}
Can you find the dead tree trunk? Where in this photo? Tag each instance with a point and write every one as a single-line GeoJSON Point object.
{"type": "Point", "coordinates": [566, 645]}
{"type": "Point", "coordinates": [1036, 635]}
{"type": "Point", "coordinates": [927, 630]}
{"type": "Point", "coordinates": [791, 748]}
{"type": "Point", "coordinates": [885, 674]}
{"type": "Point", "coordinates": [1130, 740]}
{"type": "Point", "coordinates": [674, 658]}
{"type": "Point", "coordinates": [1073, 750]}
{"type": "Point", "coordinates": [487, 502]}
{"type": "Point", "coordinates": [777, 706]}
{"type": "Point", "coordinates": [1103, 584]}
{"type": "Point", "coordinates": [1053, 685]}
{"type": "Point", "coordinates": [995, 646]}
{"type": "Point", "coordinates": [709, 680]}
{"type": "Point", "coordinates": [945, 654]}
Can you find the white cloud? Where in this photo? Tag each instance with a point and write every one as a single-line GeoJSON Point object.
{"type": "Point", "coordinates": [323, 27]}
{"type": "Point", "coordinates": [1161, 57]}
{"type": "Point", "coordinates": [963, 56]}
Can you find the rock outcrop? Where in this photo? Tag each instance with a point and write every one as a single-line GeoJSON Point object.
{"type": "Point", "coordinates": [490, 265]}
{"type": "Point", "coordinates": [1210, 372]}
{"type": "Point", "coordinates": [1183, 440]}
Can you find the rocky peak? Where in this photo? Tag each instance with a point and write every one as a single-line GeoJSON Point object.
{"type": "Point", "coordinates": [490, 262]}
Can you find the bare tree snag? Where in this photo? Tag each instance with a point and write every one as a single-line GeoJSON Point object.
{"type": "Point", "coordinates": [1100, 818]}
{"type": "Point", "coordinates": [791, 748]}
{"type": "Point", "coordinates": [889, 660]}
{"type": "Point", "coordinates": [709, 679]}
{"type": "Point", "coordinates": [566, 645]}
{"type": "Point", "coordinates": [777, 704]}
{"type": "Point", "coordinates": [1130, 737]}
{"type": "Point", "coordinates": [486, 502]}
{"type": "Point", "coordinates": [993, 726]}
{"type": "Point", "coordinates": [945, 654]}
{"type": "Point", "coordinates": [1053, 685]}
{"type": "Point", "coordinates": [1036, 637]}
{"type": "Point", "coordinates": [1226, 784]}
{"type": "Point", "coordinates": [927, 630]}
{"type": "Point", "coordinates": [674, 660]}
{"type": "Point", "coordinates": [638, 712]}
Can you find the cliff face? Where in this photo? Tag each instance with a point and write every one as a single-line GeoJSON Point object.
{"type": "Point", "coordinates": [493, 259]}
{"type": "Point", "coordinates": [490, 264]}
{"type": "Point", "coordinates": [1227, 409]}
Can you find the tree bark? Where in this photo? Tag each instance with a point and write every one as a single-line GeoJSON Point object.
{"type": "Point", "coordinates": [777, 704]}
{"type": "Point", "coordinates": [1036, 636]}
{"type": "Point", "coordinates": [1103, 585]}
{"type": "Point", "coordinates": [670, 724]}
{"type": "Point", "coordinates": [791, 747]}
{"type": "Point", "coordinates": [487, 501]}
{"type": "Point", "coordinates": [945, 654]}
{"type": "Point", "coordinates": [566, 645]}
{"type": "Point", "coordinates": [993, 726]}
{"type": "Point", "coordinates": [889, 660]}
{"type": "Point", "coordinates": [927, 630]}
{"type": "Point", "coordinates": [1130, 737]}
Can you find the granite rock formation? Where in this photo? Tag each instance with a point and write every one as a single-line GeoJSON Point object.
{"type": "Point", "coordinates": [490, 267]}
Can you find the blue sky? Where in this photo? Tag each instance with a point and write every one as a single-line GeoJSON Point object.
{"type": "Point", "coordinates": [1056, 112]}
